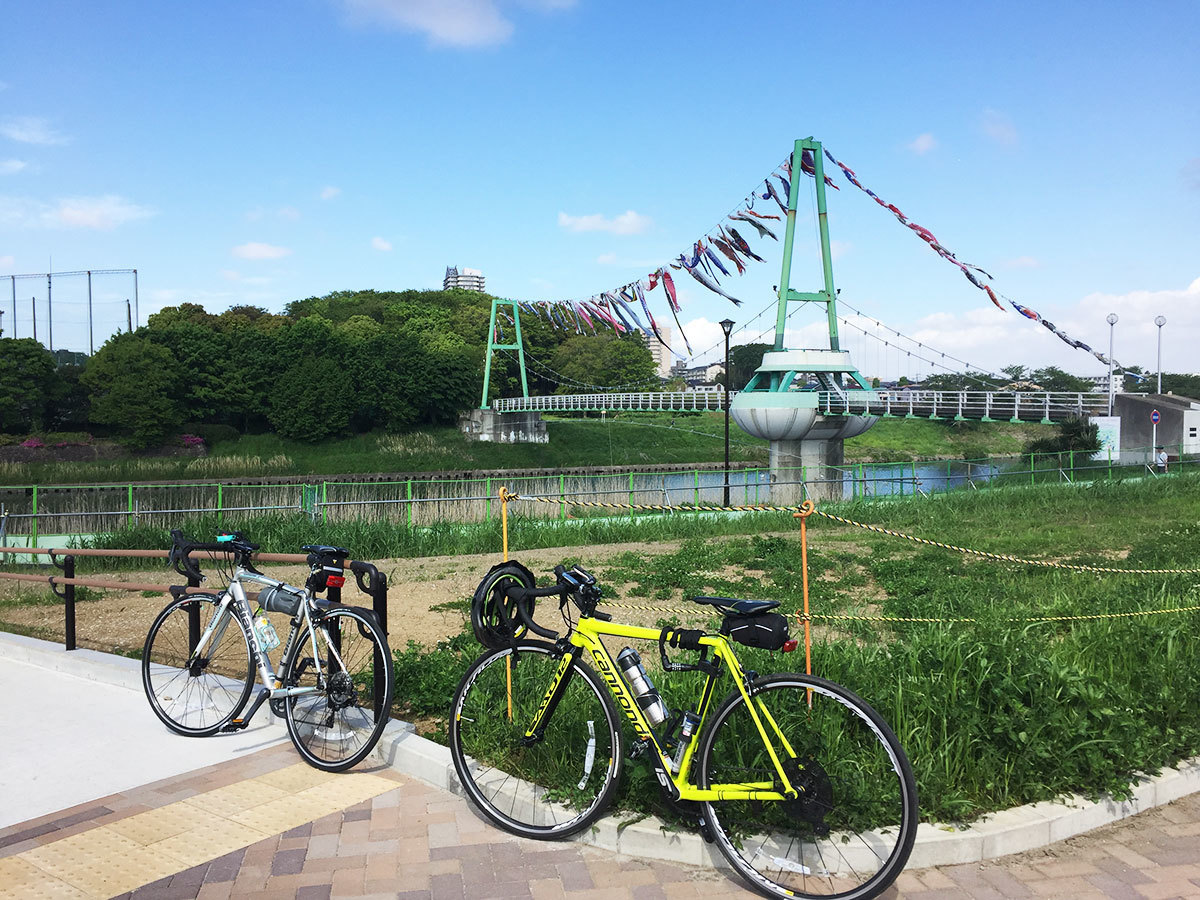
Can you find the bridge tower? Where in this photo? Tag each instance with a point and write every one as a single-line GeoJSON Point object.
{"type": "Point", "coordinates": [485, 423]}
{"type": "Point", "coordinates": [780, 403]}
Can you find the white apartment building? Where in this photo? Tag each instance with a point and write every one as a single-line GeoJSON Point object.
{"type": "Point", "coordinates": [465, 279]}
{"type": "Point", "coordinates": [662, 355]}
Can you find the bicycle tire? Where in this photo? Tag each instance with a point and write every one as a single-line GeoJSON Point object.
{"type": "Point", "coordinates": [496, 768]}
{"type": "Point", "coordinates": [851, 830]}
{"type": "Point", "coordinates": [335, 727]}
{"type": "Point", "coordinates": [200, 698]}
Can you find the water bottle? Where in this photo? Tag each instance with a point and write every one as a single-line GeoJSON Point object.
{"type": "Point", "coordinates": [643, 688]}
{"type": "Point", "coordinates": [268, 639]}
{"type": "Point", "coordinates": [687, 728]}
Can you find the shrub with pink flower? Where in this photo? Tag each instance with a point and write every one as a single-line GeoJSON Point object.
{"type": "Point", "coordinates": [33, 443]}
{"type": "Point", "coordinates": [191, 440]}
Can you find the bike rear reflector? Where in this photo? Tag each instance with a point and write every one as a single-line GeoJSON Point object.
{"type": "Point", "coordinates": [335, 580]}
{"type": "Point", "coordinates": [789, 646]}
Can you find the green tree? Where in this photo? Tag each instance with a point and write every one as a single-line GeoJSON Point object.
{"type": "Point", "coordinates": [604, 361]}
{"type": "Point", "coordinates": [1052, 378]}
{"type": "Point", "coordinates": [744, 359]}
{"type": "Point", "coordinates": [27, 384]}
{"type": "Point", "coordinates": [134, 385]}
{"type": "Point", "coordinates": [1073, 434]}
{"type": "Point", "coordinates": [312, 399]}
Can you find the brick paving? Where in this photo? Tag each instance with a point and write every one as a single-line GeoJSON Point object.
{"type": "Point", "coordinates": [415, 841]}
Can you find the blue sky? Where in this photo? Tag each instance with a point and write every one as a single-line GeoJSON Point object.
{"type": "Point", "coordinates": [260, 153]}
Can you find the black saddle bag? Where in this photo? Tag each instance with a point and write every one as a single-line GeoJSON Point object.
{"type": "Point", "coordinates": [767, 631]}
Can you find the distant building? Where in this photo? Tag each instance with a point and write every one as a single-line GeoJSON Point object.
{"type": "Point", "coordinates": [1099, 383]}
{"type": "Point", "coordinates": [698, 376]}
{"type": "Point", "coordinates": [662, 355]}
{"type": "Point", "coordinates": [464, 279]}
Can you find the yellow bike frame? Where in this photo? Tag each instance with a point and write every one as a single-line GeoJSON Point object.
{"type": "Point", "coordinates": [585, 637]}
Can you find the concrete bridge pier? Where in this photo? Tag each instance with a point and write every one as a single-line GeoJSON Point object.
{"type": "Point", "coordinates": [503, 427]}
{"type": "Point", "coordinates": [806, 470]}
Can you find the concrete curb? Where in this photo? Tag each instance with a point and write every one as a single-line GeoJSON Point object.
{"type": "Point", "coordinates": [402, 749]}
{"type": "Point", "coordinates": [999, 834]}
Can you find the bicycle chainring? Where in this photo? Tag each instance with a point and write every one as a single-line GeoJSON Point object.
{"type": "Point", "coordinates": [815, 793]}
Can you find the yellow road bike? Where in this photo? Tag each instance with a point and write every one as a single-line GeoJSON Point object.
{"type": "Point", "coordinates": [802, 786]}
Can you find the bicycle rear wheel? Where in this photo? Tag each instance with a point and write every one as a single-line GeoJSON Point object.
{"type": "Point", "coordinates": [196, 695]}
{"type": "Point", "coordinates": [336, 725]}
{"type": "Point", "coordinates": [551, 788]}
{"type": "Point", "coordinates": [849, 832]}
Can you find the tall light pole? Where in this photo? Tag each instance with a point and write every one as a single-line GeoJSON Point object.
{"type": "Point", "coordinates": [1160, 321]}
{"type": "Point", "coordinates": [1112, 320]}
{"type": "Point", "coordinates": [727, 326]}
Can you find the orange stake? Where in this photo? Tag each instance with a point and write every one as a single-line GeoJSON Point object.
{"type": "Point", "coordinates": [806, 510]}
{"type": "Point", "coordinates": [504, 530]}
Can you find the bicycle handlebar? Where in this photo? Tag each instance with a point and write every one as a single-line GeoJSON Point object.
{"type": "Point", "coordinates": [575, 584]}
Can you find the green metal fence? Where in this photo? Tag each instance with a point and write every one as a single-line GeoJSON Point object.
{"type": "Point", "coordinates": [30, 514]}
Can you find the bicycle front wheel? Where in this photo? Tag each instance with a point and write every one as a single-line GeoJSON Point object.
{"type": "Point", "coordinates": [545, 789]}
{"type": "Point", "coordinates": [850, 830]}
{"type": "Point", "coordinates": [196, 693]}
{"type": "Point", "coordinates": [341, 718]}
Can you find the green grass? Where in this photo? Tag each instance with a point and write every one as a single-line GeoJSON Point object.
{"type": "Point", "coordinates": [629, 439]}
{"type": "Point", "coordinates": [997, 712]}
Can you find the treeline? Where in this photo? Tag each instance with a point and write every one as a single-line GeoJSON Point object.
{"type": "Point", "coordinates": [350, 361]}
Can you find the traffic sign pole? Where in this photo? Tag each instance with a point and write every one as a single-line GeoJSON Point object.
{"type": "Point", "coordinates": [1154, 417]}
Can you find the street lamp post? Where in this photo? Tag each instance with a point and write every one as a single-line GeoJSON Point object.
{"type": "Point", "coordinates": [1112, 320]}
{"type": "Point", "coordinates": [727, 326]}
{"type": "Point", "coordinates": [1160, 321]}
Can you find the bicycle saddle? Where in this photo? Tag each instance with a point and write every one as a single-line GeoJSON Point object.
{"type": "Point", "coordinates": [741, 607]}
{"type": "Point", "coordinates": [325, 550]}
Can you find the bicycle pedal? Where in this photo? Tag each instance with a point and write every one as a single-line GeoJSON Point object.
{"type": "Point", "coordinates": [235, 725]}
{"type": "Point", "coordinates": [706, 831]}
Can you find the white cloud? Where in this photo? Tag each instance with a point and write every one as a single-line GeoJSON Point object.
{"type": "Point", "coordinates": [989, 338]}
{"type": "Point", "coordinates": [7, 262]}
{"type": "Point", "coordinates": [329, 192]}
{"type": "Point", "coordinates": [1023, 262]}
{"type": "Point", "coordinates": [923, 143]}
{"type": "Point", "coordinates": [11, 166]}
{"type": "Point", "coordinates": [258, 250]}
{"type": "Point", "coordinates": [380, 244]}
{"type": "Point", "coordinates": [453, 23]}
{"type": "Point", "coordinates": [628, 222]}
{"type": "Point", "coordinates": [450, 23]}
{"type": "Point", "coordinates": [838, 249]}
{"type": "Point", "coordinates": [101, 213]}
{"type": "Point", "coordinates": [289, 212]}
{"type": "Point", "coordinates": [999, 127]}
{"type": "Point", "coordinates": [31, 130]}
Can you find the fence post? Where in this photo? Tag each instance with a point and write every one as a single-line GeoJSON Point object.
{"type": "Point", "coordinates": [374, 583]}
{"type": "Point", "coordinates": [33, 527]}
{"type": "Point", "coordinates": [562, 497]}
{"type": "Point", "coordinates": [324, 500]}
{"type": "Point", "coordinates": [1071, 458]}
{"type": "Point", "coordinates": [68, 596]}
{"type": "Point", "coordinates": [487, 504]}
{"type": "Point", "coordinates": [696, 487]}
{"type": "Point", "coordinates": [129, 504]}
{"type": "Point", "coordinates": [630, 495]}
{"type": "Point", "coordinates": [1110, 463]}
{"type": "Point", "coordinates": [220, 514]}
{"type": "Point", "coordinates": [410, 505]}
{"type": "Point", "coordinates": [193, 612]}
{"type": "Point", "coordinates": [1031, 469]}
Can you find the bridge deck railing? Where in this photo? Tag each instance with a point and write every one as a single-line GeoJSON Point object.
{"type": "Point", "coordinates": [1014, 406]}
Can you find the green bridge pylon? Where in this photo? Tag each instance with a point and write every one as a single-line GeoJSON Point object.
{"type": "Point", "coordinates": [494, 345]}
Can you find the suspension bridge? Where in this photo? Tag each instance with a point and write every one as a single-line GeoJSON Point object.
{"type": "Point", "coordinates": [805, 402]}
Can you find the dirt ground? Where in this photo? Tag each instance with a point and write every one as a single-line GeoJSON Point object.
{"type": "Point", "coordinates": [425, 596]}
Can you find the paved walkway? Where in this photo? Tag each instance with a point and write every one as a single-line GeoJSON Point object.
{"type": "Point", "coordinates": [263, 824]}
